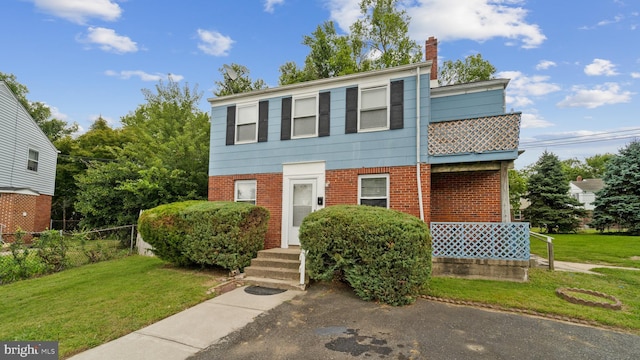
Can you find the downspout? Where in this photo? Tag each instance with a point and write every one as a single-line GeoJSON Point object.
{"type": "Point", "coordinates": [418, 175]}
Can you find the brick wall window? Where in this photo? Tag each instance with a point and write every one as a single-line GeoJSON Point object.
{"type": "Point", "coordinates": [373, 190]}
{"type": "Point", "coordinates": [245, 191]}
{"type": "Point", "coordinates": [32, 162]}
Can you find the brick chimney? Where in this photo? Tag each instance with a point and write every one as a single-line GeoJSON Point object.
{"type": "Point", "coordinates": [431, 53]}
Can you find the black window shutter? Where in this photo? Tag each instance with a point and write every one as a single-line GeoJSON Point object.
{"type": "Point", "coordinates": [263, 120]}
{"type": "Point", "coordinates": [351, 112]}
{"type": "Point", "coordinates": [324, 109]}
{"type": "Point", "coordinates": [397, 105]}
{"type": "Point", "coordinates": [285, 125]}
{"type": "Point", "coordinates": [231, 125]}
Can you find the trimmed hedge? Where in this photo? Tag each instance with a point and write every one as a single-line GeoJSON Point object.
{"type": "Point", "coordinates": [225, 234]}
{"type": "Point", "coordinates": [385, 255]}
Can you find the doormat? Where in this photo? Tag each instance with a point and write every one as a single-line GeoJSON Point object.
{"type": "Point", "coordinates": [259, 290]}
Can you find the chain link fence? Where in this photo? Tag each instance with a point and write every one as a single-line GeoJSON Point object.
{"type": "Point", "coordinates": [25, 255]}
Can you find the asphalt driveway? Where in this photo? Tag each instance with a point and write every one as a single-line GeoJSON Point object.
{"type": "Point", "coordinates": [330, 322]}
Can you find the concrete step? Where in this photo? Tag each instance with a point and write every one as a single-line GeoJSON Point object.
{"type": "Point", "coordinates": [272, 272]}
{"type": "Point", "coordinates": [274, 283]}
{"type": "Point", "coordinates": [277, 253]}
{"type": "Point", "coordinates": [275, 263]}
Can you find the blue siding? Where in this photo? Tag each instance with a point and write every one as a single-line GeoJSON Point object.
{"type": "Point", "coordinates": [339, 150]}
{"type": "Point", "coordinates": [464, 106]}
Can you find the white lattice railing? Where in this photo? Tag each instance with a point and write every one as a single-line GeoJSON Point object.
{"type": "Point", "coordinates": [500, 241]}
{"type": "Point", "coordinates": [491, 133]}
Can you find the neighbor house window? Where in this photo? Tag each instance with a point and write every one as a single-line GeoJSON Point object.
{"type": "Point", "coordinates": [373, 190]}
{"type": "Point", "coordinates": [245, 191]}
{"type": "Point", "coordinates": [32, 162]}
{"type": "Point", "coordinates": [373, 108]}
{"type": "Point", "coordinates": [247, 123]}
{"type": "Point", "coordinates": [305, 119]}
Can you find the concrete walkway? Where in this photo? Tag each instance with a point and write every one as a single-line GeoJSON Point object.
{"type": "Point", "coordinates": [190, 331]}
{"type": "Point", "coordinates": [576, 267]}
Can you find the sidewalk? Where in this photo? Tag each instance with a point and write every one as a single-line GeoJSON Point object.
{"type": "Point", "coordinates": [576, 267]}
{"type": "Point", "coordinates": [190, 331]}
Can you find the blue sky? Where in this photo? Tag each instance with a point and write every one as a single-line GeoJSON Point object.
{"type": "Point", "coordinates": [574, 65]}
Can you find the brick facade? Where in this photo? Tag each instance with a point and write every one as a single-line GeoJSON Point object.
{"type": "Point", "coordinates": [29, 213]}
{"type": "Point", "coordinates": [342, 189]}
{"type": "Point", "coordinates": [466, 196]}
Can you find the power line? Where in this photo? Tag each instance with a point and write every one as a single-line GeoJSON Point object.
{"type": "Point", "coordinates": [582, 139]}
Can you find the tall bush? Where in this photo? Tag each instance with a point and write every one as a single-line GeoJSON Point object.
{"type": "Point", "coordinates": [224, 234]}
{"type": "Point", "coordinates": [385, 255]}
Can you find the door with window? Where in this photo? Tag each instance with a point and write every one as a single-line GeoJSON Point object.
{"type": "Point", "coordinates": [302, 201]}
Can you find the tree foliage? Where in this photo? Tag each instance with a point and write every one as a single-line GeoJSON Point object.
{"type": "Point", "coordinates": [473, 68]}
{"type": "Point", "coordinates": [165, 159]}
{"type": "Point", "coordinates": [379, 39]}
{"type": "Point", "coordinates": [40, 112]}
{"type": "Point", "coordinates": [237, 82]}
{"type": "Point", "coordinates": [551, 207]}
{"type": "Point", "coordinates": [592, 168]}
{"type": "Point", "coordinates": [618, 203]}
{"type": "Point", "coordinates": [517, 188]}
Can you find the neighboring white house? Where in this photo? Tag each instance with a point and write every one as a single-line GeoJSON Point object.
{"type": "Point", "coordinates": [584, 190]}
{"type": "Point", "coordinates": [27, 168]}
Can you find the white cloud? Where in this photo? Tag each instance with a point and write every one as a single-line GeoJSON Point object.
{"type": "Point", "coordinates": [270, 4]}
{"type": "Point", "coordinates": [142, 75]}
{"type": "Point", "coordinates": [79, 11]}
{"type": "Point", "coordinates": [55, 113]}
{"type": "Point", "coordinates": [214, 43]}
{"type": "Point", "coordinates": [534, 121]}
{"type": "Point", "coordinates": [545, 64]}
{"type": "Point", "coordinates": [522, 87]}
{"type": "Point", "coordinates": [478, 20]}
{"type": "Point", "coordinates": [600, 67]}
{"type": "Point", "coordinates": [606, 94]}
{"type": "Point", "coordinates": [635, 75]}
{"type": "Point", "coordinates": [108, 40]}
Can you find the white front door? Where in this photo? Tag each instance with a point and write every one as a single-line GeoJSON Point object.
{"type": "Point", "coordinates": [302, 197]}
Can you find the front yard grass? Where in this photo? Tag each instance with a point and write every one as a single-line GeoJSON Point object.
{"type": "Point", "coordinates": [90, 305]}
{"type": "Point", "coordinates": [538, 294]}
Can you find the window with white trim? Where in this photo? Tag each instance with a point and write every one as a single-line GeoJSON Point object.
{"type": "Point", "coordinates": [247, 123]}
{"type": "Point", "coordinates": [373, 190]}
{"type": "Point", "coordinates": [373, 108]}
{"type": "Point", "coordinates": [245, 191]}
{"type": "Point", "coordinates": [305, 117]}
{"type": "Point", "coordinates": [32, 162]}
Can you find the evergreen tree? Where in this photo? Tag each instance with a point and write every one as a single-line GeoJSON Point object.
{"type": "Point", "coordinates": [548, 192]}
{"type": "Point", "coordinates": [619, 201]}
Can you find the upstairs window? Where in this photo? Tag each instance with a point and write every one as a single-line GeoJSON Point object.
{"type": "Point", "coordinates": [305, 119]}
{"type": "Point", "coordinates": [32, 162]}
{"type": "Point", "coordinates": [245, 191]}
{"type": "Point", "coordinates": [373, 109]}
{"type": "Point", "coordinates": [373, 190]}
{"type": "Point", "coordinates": [247, 123]}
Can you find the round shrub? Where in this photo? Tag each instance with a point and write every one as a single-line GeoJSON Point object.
{"type": "Point", "coordinates": [225, 234]}
{"type": "Point", "coordinates": [384, 255]}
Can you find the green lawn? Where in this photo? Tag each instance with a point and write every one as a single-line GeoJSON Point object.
{"type": "Point", "coordinates": [87, 306]}
{"type": "Point", "coordinates": [592, 248]}
{"type": "Point", "coordinates": [538, 294]}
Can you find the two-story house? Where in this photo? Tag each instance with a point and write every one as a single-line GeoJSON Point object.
{"type": "Point", "coordinates": [27, 169]}
{"type": "Point", "coordinates": [390, 138]}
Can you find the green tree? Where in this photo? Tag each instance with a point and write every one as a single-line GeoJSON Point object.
{"type": "Point", "coordinates": [474, 68]}
{"type": "Point", "coordinates": [572, 168]}
{"type": "Point", "coordinates": [551, 207]}
{"type": "Point", "coordinates": [40, 112]}
{"type": "Point", "coordinates": [384, 29]}
{"type": "Point", "coordinates": [618, 203]}
{"type": "Point", "coordinates": [517, 188]}
{"type": "Point", "coordinates": [378, 40]}
{"type": "Point", "coordinates": [236, 81]}
{"type": "Point", "coordinates": [597, 164]}
{"type": "Point", "coordinates": [165, 159]}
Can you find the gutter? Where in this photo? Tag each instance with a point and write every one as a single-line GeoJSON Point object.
{"type": "Point", "coordinates": [418, 175]}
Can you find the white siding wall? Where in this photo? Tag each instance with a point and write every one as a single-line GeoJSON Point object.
{"type": "Point", "coordinates": [18, 134]}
